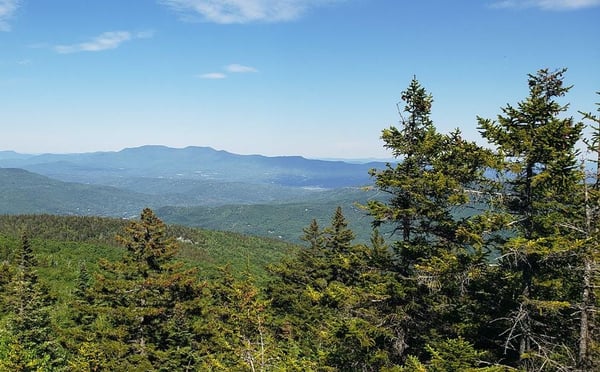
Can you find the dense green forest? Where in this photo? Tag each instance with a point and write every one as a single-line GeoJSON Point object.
{"type": "Point", "coordinates": [282, 220]}
{"type": "Point", "coordinates": [509, 283]}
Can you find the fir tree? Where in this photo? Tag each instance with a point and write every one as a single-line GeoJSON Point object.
{"type": "Point", "coordinates": [143, 307]}
{"type": "Point", "coordinates": [541, 182]}
{"type": "Point", "coordinates": [29, 344]}
{"type": "Point", "coordinates": [436, 175]}
{"type": "Point", "coordinates": [240, 325]}
{"type": "Point", "coordinates": [335, 300]}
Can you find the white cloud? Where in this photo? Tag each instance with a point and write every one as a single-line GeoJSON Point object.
{"type": "Point", "coordinates": [104, 41]}
{"type": "Point", "coordinates": [213, 76]}
{"type": "Point", "coordinates": [243, 11]}
{"type": "Point", "coordinates": [547, 4]}
{"type": "Point", "coordinates": [7, 10]}
{"type": "Point", "coordinates": [239, 68]}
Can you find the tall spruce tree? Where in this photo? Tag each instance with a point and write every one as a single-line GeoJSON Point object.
{"type": "Point", "coordinates": [436, 175]}
{"type": "Point", "coordinates": [30, 343]}
{"type": "Point", "coordinates": [143, 308]}
{"type": "Point", "coordinates": [541, 183]}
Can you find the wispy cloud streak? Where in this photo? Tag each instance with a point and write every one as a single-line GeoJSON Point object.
{"type": "Point", "coordinates": [7, 10]}
{"type": "Point", "coordinates": [243, 11]}
{"type": "Point", "coordinates": [236, 68]}
{"type": "Point", "coordinates": [556, 5]}
{"type": "Point", "coordinates": [104, 41]}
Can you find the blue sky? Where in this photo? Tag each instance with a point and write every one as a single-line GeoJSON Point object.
{"type": "Point", "coordinates": [318, 78]}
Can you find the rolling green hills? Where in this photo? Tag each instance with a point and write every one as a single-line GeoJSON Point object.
{"type": "Point", "coordinates": [24, 192]}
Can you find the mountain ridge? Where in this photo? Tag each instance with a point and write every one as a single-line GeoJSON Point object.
{"type": "Point", "coordinates": [193, 162]}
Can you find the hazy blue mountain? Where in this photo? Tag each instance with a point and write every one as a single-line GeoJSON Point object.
{"type": "Point", "coordinates": [196, 163]}
{"type": "Point", "coordinates": [11, 155]}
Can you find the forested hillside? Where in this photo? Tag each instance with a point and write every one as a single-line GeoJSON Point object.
{"type": "Point", "coordinates": [509, 283]}
{"type": "Point", "coordinates": [92, 238]}
{"type": "Point", "coordinates": [279, 220]}
{"type": "Point", "coordinates": [25, 192]}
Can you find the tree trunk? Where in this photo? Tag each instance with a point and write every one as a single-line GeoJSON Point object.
{"type": "Point", "coordinates": [584, 329]}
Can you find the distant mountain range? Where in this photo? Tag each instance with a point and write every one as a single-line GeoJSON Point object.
{"type": "Point", "coordinates": [191, 163]}
{"type": "Point", "coordinates": [198, 186]}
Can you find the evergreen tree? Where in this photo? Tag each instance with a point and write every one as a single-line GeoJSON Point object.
{"type": "Point", "coordinates": [300, 324]}
{"type": "Point", "coordinates": [143, 308]}
{"type": "Point", "coordinates": [83, 281]}
{"type": "Point", "coordinates": [313, 235]}
{"type": "Point", "coordinates": [452, 355]}
{"type": "Point", "coordinates": [6, 276]}
{"type": "Point", "coordinates": [435, 177]}
{"type": "Point", "coordinates": [334, 300]}
{"type": "Point", "coordinates": [242, 335]}
{"type": "Point", "coordinates": [28, 343]}
{"type": "Point", "coordinates": [540, 194]}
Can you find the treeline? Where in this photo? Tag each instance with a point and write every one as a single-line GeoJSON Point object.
{"type": "Point", "coordinates": [513, 285]}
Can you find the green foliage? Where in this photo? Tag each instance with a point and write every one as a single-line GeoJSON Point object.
{"type": "Point", "coordinates": [333, 300]}
{"type": "Point", "coordinates": [453, 355]}
{"type": "Point", "coordinates": [65, 241]}
{"type": "Point", "coordinates": [26, 192]}
{"type": "Point", "coordinates": [27, 340]}
{"type": "Point", "coordinates": [79, 321]}
{"type": "Point", "coordinates": [239, 325]}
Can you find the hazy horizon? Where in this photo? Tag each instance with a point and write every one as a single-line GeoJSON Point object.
{"type": "Point", "coordinates": [312, 78]}
{"type": "Point", "coordinates": [357, 159]}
